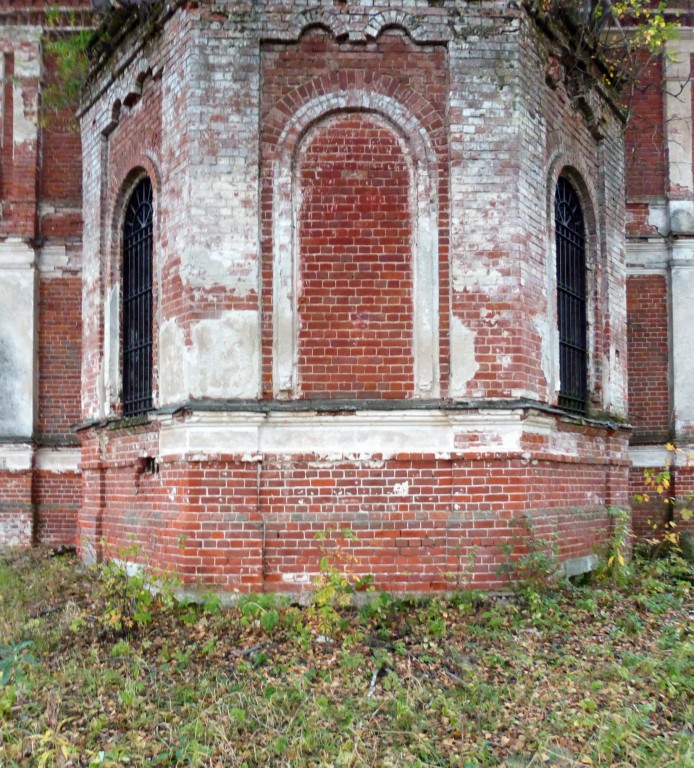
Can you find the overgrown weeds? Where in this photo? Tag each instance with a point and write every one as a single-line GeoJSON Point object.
{"type": "Point", "coordinates": [605, 677]}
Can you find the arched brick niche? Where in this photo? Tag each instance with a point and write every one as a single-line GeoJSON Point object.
{"type": "Point", "coordinates": [354, 219]}
{"type": "Point", "coordinates": [355, 260]}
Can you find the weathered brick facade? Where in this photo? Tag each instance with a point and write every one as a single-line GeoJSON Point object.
{"type": "Point", "coordinates": [354, 296]}
{"type": "Point", "coordinates": [660, 285]}
{"type": "Point", "coordinates": [40, 283]}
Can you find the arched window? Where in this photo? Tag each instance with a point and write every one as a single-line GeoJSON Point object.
{"type": "Point", "coordinates": [571, 298]}
{"type": "Point", "coordinates": [137, 301]}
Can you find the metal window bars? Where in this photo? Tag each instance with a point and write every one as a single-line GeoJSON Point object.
{"type": "Point", "coordinates": [137, 301]}
{"type": "Point", "coordinates": [571, 298]}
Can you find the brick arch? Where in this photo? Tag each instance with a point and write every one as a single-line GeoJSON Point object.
{"type": "Point", "coordinates": [326, 18]}
{"type": "Point", "coordinates": [339, 89]}
{"type": "Point", "coordinates": [574, 170]}
{"type": "Point", "coordinates": [285, 206]}
{"type": "Point", "coordinates": [143, 166]}
{"type": "Point", "coordinates": [401, 19]}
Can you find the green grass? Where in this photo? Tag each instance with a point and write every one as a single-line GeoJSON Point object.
{"type": "Point", "coordinates": [577, 676]}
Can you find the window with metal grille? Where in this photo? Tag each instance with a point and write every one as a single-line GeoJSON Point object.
{"type": "Point", "coordinates": [137, 301]}
{"type": "Point", "coordinates": [571, 298]}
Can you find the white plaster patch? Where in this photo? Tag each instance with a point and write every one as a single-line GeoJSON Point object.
{"type": "Point", "coordinates": [678, 114]}
{"type": "Point", "coordinates": [16, 457]}
{"type": "Point", "coordinates": [17, 352]}
{"type": "Point", "coordinates": [548, 357]}
{"type": "Point", "coordinates": [658, 218]}
{"type": "Point", "coordinates": [111, 364]}
{"type": "Point", "coordinates": [16, 531]}
{"type": "Point", "coordinates": [648, 258]}
{"type": "Point", "coordinates": [683, 344]}
{"type": "Point", "coordinates": [475, 278]}
{"type": "Point", "coordinates": [464, 366]}
{"type": "Point", "coordinates": [401, 489]}
{"type": "Point", "coordinates": [681, 215]}
{"type": "Point", "coordinates": [650, 456]}
{"type": "Point", "coordinates": [296, 578]}
{"type": "Point", "coordinates": [172, 383]}
{"type": "Point", "coordinates": [224, 359]}
{"type": "Point", "coordinates": [53, 261]}
{"type": "Point", "coordinates": [27, 67]}
{"type": "Point", "coordinates": [357, 437]}
{"type": "Point", "coordinates": [58, 459]}
{"type": "Point", "coordinates": [565, 443]}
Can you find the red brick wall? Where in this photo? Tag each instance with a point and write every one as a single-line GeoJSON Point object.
{"type": "Point", "coordinates": [16, 510]}
{"type": "Point", "coordinates": [60, 353]}
{"type": "Point", "coordinates": [356, 262]}
{"type": "Point", "coordinates": [648, 357]}
{"type": "Point", "coordinates": [646, 152]}
{"type": "Point", "coordinates": [415, 75]}
{"type": "Point", "coordinates": [651, 512]}
{"type": "Point", "coordinates": [420, 521]}
{"type": "Point", "coordinates": [57, 496]}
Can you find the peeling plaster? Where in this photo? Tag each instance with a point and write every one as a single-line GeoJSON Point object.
{"type": "Point", "coordinates": [548, 349]}
{"type": "Point", "coordinates": [172, 382]}
{"type": "Point", "coordinates": [16, 531]}
{"type": "Point", "coordinates": [217, 262]}
{"type": "Point", "coordinates": [658, 218]}
{"type": "Point", "coordinates": [224, 358]}
{"type": "Point", "coordinates": [681, 217]}
{"type": "Point", "coordinates": [683, 344]}
{"type": "Point", "coordinates": [476, 279]}
{"type": "Point", "coordinates": [17, 290]}
{"type": "Point", "coordinates": [464, 366]}
{"type": "Point", "coordinates": [112, 346]}
{"type": "Point", "coordinates": [401, 489]}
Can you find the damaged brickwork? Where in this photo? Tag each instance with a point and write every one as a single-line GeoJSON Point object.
{"type": "Point", "coordinates": [354, 296]}
{"type": "Point", "coordinates": [40, 283]}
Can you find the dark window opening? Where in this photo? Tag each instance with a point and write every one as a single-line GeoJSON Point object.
{"type": "Point", "coordinates": [571, 298]}
{"type": "Point", "coordinates": [137, 301]}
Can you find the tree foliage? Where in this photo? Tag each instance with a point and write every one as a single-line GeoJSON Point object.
{"type": "Point", "coordinates": [620, 37]}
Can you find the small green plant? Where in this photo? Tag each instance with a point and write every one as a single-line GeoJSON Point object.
{"type": "Point", "coordinates": [67, 44]}
{"type": "Point", "coordinates": [461, 577]}
{"type": "Point", "coordinates": [666, 537]}
{"type": "Point", "coordinates": [335, 584]}
{"type": "Point", "coordinates": [13, 659]}
{"type": "Point", "coordinates": [130, 592]}
{"type": "Point", "coordinates": [616, 566]}
{"type": "Point", "coordinates": [263, 610]}
{"type": "Point", "coordinates": [536, 569]}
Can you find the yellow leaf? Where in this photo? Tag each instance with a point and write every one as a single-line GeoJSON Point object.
{"type": "Point", "coordinates": [686, 514]}
{"type": "Point", "coordinates": [670, 447]}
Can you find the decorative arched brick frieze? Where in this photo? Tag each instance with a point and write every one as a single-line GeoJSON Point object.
{"type": "Point", "coordinates": [420, 29]}
{"type": "Point", "coordinates": [563, 163]}
{"type": "Point", "coordinates": [424, 191]}
{"type": "Point", "coordinates": [328, 18]}
{"type": "Point", "coordinates": [361, 27]}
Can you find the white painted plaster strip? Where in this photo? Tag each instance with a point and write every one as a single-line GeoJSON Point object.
{"type": "Point", "coordinates": [678, 113]}
{"type": "Point", "coordinates": [16, 254]}
{"type": "Point", "coordinates": [16, 457]}
{"type": "Point", "coordinates": [647, 456]}
{"type": "Point", "coordinates": [644, 258]}
{"type": "Point", "coordinates": [53, 261]}
{"type": "Point", "coordinates": [356, 436]}
{"type": "Point", "coordinates": [655, 270]}
{"type": "Point", "coordinates": [58, 459]}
